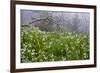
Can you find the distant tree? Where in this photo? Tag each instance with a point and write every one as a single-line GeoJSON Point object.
{"type": "Point", "coordinates": [76, 23]}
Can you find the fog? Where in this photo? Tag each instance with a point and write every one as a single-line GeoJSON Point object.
{"type": "Point", "coordinates": [56, 20]}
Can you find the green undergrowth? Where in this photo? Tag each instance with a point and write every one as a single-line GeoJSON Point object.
{"type": "Point", "coordinates": [40, 46]}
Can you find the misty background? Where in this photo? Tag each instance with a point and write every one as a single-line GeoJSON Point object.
{"type": "Point", "coordinates": [61, 21]}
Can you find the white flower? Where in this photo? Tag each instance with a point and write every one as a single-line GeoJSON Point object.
{"type": "Point", "coordinates": [50, 42]}
{"type": "Point", "coordinates": [43, 39]}
{"type": "Point", "coordinates": [61, 43]}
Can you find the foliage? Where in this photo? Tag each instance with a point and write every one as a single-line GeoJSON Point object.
{"type": "Point", "coordinates": [37, 46]}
